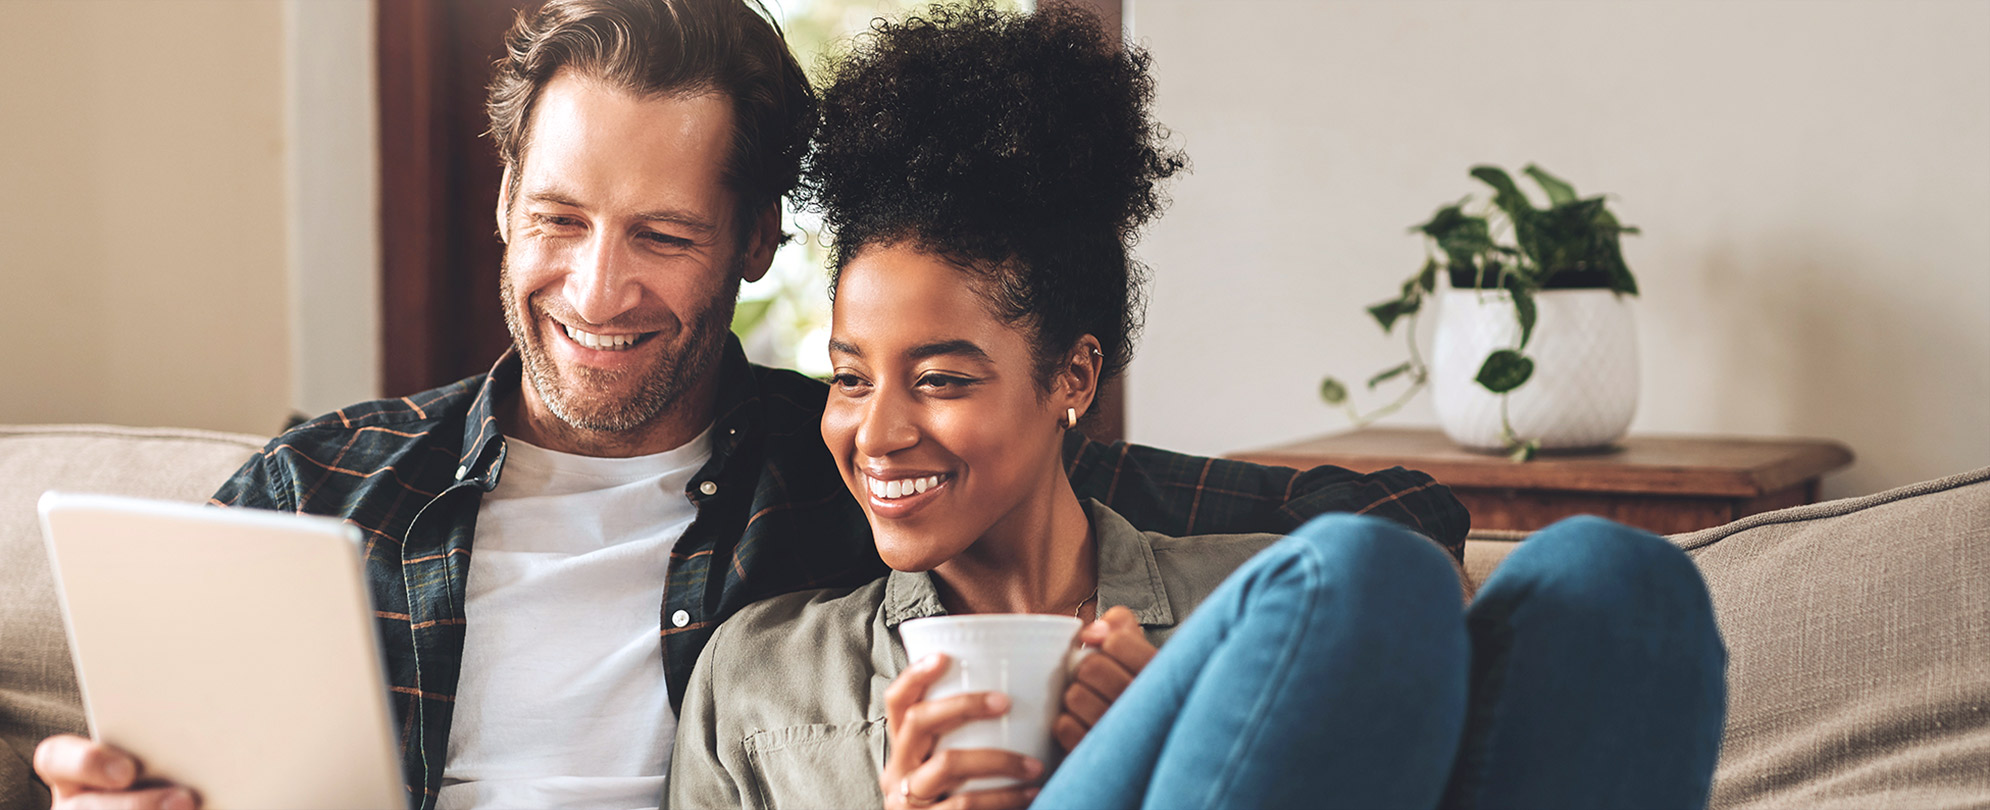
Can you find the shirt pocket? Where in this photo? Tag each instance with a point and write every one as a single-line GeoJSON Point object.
{"type": "Point", "coordinates": [830, 766]}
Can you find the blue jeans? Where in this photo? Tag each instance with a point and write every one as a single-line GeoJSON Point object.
{"type": "Point", "coordinates": [1340, 668]}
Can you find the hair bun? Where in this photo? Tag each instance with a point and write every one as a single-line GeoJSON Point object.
{"type": "Point", "coordinates": [970, 117]}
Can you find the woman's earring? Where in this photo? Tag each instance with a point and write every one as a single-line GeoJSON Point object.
{"type": "Point", "coordinates": [1070, 417]}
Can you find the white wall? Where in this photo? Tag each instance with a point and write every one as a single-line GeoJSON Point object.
{"type": "Point", "coordinates": [332, 174]}
{"type": "Point", "coordinates": [1813, 180]}
{"type": "Point", "coordinates": [187, 211]}
{"type": "Point", "coordinates": [141, 222]}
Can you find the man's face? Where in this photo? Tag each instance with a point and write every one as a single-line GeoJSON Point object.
{"type": "Point", "coordinates": [622, 259]}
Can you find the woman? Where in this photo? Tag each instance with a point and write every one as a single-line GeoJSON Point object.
{"type": "Point", "coordinates": [984, 175]}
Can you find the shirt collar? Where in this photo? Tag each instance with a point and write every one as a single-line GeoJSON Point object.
{"type": "Point", "coordinates": [483, 453]}
{"type": "Point", "coordinates": [1128, 575]}
{"type": "Point", "coordinates": [483, 448]}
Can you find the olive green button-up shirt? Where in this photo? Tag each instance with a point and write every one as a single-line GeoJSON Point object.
{"type": "Point", "coordinates": [786, 705]}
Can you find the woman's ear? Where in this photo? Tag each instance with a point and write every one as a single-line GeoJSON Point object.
{"type": "Point", "coordinates": [1078, 376]}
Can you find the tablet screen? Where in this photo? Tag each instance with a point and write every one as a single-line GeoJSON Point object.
{"type": "Point", "coordinates": [231, 650]}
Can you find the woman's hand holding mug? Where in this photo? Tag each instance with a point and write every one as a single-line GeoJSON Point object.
{"type": "Point", "coordinates": [917, 776]}
{"type": "Point", "coordinates": [1120, 651]}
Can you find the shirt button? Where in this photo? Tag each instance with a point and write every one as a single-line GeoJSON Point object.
{"type": "Point", "coordinates": [462, 471]}
{"type": "Point", "coordinates": [680, 618]}
{"type": "Point", "coordinates": [709, 488]}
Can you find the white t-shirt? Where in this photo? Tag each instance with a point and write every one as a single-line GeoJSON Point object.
{"type": "Point", "coordinates": [562, 700]}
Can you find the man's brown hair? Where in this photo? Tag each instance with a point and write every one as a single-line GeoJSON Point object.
{"type": "Point", "coordinates": [668, 48]}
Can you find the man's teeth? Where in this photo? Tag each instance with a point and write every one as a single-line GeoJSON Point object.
{"type": "Point", "coordinates": [607, 343]}
{"type": "Point", "coordinates": [899, 489]}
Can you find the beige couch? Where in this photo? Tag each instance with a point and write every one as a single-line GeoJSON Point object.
{"type": "Point", "coordinates": [1858, 630]}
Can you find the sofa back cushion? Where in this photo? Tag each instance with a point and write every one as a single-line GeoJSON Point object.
{"type": "Point", "coordinates": [38, 694]}
{"type": "Point", "coordinates": [1858, 636]}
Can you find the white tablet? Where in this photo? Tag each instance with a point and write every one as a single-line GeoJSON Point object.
{"type": "Point", "coordinates": [231, 650]}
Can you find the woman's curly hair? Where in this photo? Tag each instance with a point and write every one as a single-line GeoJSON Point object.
{"type": "Point", "coordinates": [1017, 146]}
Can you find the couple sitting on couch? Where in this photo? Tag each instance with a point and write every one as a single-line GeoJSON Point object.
{"type": "Point", "coordinates": [984, 174]}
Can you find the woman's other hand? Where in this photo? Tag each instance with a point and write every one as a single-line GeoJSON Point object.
{"type": "Point", "coordinates": [1120, 651]}
{"type": "Point", "coordinates": [916, 776]}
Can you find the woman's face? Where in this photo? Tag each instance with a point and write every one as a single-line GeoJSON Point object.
{"type": "Point", "coordinates": [934, 416]}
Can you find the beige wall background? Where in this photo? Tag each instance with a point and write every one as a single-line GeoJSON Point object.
{"type": "Point", "coordinates": [1813, 180]}
{"type": "Point", "coordinates": [185, 211]}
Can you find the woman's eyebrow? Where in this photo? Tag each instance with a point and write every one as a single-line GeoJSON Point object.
{"type": "Point", "coordinates": [964, 348]}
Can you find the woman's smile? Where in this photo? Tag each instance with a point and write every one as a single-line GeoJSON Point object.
{"type": "Point", "coordinates": [901, 494]}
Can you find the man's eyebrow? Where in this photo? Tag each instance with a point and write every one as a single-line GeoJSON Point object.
{"type": "Point", "coordinates": [682, 219]}
{"type": "Point", "coordinates": [553, 196]}
{"type": "Point", "coordinates": [673, 216]}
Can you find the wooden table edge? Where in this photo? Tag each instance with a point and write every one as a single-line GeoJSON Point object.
{"type": "Point", "coordinates": [1814, 459]}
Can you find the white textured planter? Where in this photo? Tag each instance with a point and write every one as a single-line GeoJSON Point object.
{"type": "Point", "coordinates": [1584, 389]}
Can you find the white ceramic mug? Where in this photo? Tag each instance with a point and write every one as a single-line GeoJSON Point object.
{"type": "Point", "coordinates": [1026, 656]}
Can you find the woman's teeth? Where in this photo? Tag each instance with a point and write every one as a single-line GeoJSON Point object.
{"type": "Point", "coordinates": [606, 343]}
{"type": "Point", "coordinates": [899, 489]}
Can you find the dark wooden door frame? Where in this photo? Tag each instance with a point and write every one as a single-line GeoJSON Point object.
{"type": "Point", "coordinates": [439, 314]}
{"type": "Point", "coordinates": [440, 319]}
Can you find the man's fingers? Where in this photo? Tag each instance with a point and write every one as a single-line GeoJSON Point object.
{"type": "Point", "coordinates": [159, 798]}
{"type": "Point", "coordinates": [69, 763]}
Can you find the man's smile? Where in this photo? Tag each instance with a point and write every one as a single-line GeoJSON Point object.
{"type": "Point", "coordinates": [606, 343]}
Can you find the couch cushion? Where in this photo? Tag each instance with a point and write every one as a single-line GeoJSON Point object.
{"type": "Point", "coordinates": [1858, 635]}
{"type": "Point", "coordinates": [38, 694]}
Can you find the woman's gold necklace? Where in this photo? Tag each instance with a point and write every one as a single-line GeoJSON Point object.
{"type": "Point", "coordinates": [1081, 603]}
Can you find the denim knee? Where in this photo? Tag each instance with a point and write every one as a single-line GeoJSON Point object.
{"type": "Point", "coordinates": [1369, 557]}
{"type": "Point", "coordinates": [1589, 567]}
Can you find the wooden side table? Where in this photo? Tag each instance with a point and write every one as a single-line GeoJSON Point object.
{"type": "Point", "coordinates": [1665, 484]}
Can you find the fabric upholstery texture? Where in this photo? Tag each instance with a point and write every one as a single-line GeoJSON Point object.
{"type": "Point", "coordinates": [1858, 635]}
{"type": "Point", "coordinates": [38, 694]}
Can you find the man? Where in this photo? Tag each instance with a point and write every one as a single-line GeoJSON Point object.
{"type": "Point", "coordinates": [626, 478]}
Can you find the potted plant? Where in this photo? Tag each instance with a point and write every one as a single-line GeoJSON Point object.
{"type": "Point", "coordinates": [1535, 294]}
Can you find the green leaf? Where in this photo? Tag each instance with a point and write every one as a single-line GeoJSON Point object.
{"type": "Point", "coordinates": [748, 315]}
{"type": "Point", "coordinates": [1444, 220]}
{"type": "Point", "coordinates": [1523, 304]}
{"type": "Point", "coordinates": [1504, 371]}
{"type": "Point", "coordinates": [1607, 251]}
{"type": "Point", "coordinates": [1387, 375]}
{"type": "Point", "coordinates": [1559, 191]}
{"type": "Point", "coordinates": [1387, 312]}
{"type": "Point", "coordinates": [1523, 452]}
{"type": "Point", "coordinates": [1332, 391]}
{"type": "Point", "coordinates": [1428, 278]}
{"type": "Point", "coordinates": [1506, 195]}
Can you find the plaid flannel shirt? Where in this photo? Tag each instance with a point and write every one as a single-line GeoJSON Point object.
{"type": "Point", "coordinates": [773, 516]}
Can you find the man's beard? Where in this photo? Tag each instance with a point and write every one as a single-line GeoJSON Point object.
{"type": "Point", "coordinates": [662, 385]}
